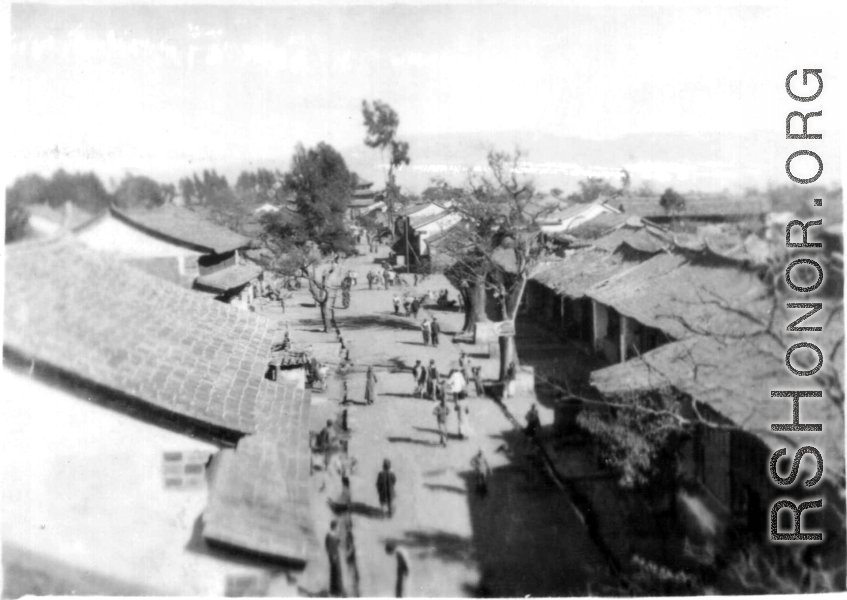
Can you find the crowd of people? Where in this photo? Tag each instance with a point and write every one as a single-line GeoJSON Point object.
{"type": "Point", "coordinates": [448, 390]}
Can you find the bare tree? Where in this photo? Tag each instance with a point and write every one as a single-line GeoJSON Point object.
{"type": "Point", "coordinates": [500, 246]}
{"type": "Point", "coordinates": [323, 274]}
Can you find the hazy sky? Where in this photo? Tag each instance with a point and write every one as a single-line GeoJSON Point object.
{"type": "Point", "coordinates": [165, 89]}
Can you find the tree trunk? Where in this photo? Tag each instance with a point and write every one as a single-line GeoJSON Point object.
{"type": "Point", "coordinates": [474, 306]}
{"type": "Point", "coordinates": [508, 350]}
{"type": "Point", "coordinates": [331, 298]}
{"type": "Point", "coordinates": [324, 315]}
{"type": "Point", "coordinates": [508, 354]}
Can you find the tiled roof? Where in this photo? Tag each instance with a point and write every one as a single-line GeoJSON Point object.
{"type": "Point", "coordinates": [735, 377]}
{"type": "Point", "coordinates": [361, 201]}
{"type": "Point", "coordinates": [575, 274]}
{"type": "Point", "coordinates": [426, 219]}
{"type": "Point", "coordinates": [642, 238]}
{"type": "Point", "coordinates": [161, 345]}
{"type": "Point", "coordinates": [685, 293]}
{"type": "Point", "coordinates": [565, 212]}
{"type": "Point", "coordinates": [259, 494]}
{"type": "Point", "coordinates": [183, 226]}
{"type": "Point", "coordinates": [411, 209]}
{"type": "Point", "coordinates": [599, 225]}
{"type": "Point", "coordinates": [696, 206]}
{"type": "Point", "coordinates": [439, 236]}
{"type": "Point", "coordinates": [229, 278]}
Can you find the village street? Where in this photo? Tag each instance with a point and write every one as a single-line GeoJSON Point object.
{"type": "Point", "coordinates": [524, 538]}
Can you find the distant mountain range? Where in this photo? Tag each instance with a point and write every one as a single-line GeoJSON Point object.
{"type": "Point", "coordinates": [708, 162]}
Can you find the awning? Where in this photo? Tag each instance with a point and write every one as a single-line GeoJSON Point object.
{"type": "Point", "coordinates": [230, 278]}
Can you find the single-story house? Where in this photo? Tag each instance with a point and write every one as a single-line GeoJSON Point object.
{"type": "Point", "coordinates": [138, 390]}
{"type": "Point", "coordinates": [176, 244]}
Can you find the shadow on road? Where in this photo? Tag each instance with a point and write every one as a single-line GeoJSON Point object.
{"type": "Point", "coordinates": [440, 487]}
{"type": "Point", "coordinates": [357, 508]}
{"type": "Point", "coordinates": [450, 436]}
{"type": "Point", "coordinates": [439, 544]}
{"type": "Point", "coordinates": [408, 440]}
{"type": "Point", "coordinates": [372, 321]}
{"type": "Point", "coordinates": [528, 541]}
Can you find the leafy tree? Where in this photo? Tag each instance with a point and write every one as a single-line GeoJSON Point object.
{"type": "Point", "coordinates": [672, 202]}
{"type": "Point", "coordinates": [17, 218]}
{"type": "Point", "coordinates": [381, 122]}
{"type": "Point", "coordinates": [440, 191]}
{"type": "Point", "coordinates": [322, 185]}
{"type": "Point", "coordinates": [137, 191]}
{"type": "Point", "coordinates": [324, 275]}
{"type": "Point", "coordinates": [591, 189]}
{"type": "Point", "coordinates": [29, 189]}
{"type": "Point", "coordinates": [262, 182]}
{"type": "Point", "coordinates": [368, 222]}
{"type": "Point", "coordinates": [84, 190]}
{"type": "Point", "coordinates": [645, 190]}
{"type": "Point", "coordinates": [187, 190]}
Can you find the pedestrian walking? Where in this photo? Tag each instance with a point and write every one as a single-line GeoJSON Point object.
{"type": "Point", "coordinates": [370, 386]}
{"type": "Point", "coordinates": [282, 303]}
{"type": "Point", "coordinates": [345, 292]}
{"type": "Point", "coordinates": [332, 542]}
{"type": "Point", "coordinates": [435, 329]}
{"type": "Point", "coordinates": [533, 422]}
{"type": "Point", "coordinates": [431, 379]}
{"type": "Point", "coordinates": [385, 279]}
{"type": "Point", "coordinates": [477, 379]}
{"type": "Point", "coordinates": [396, 301]}
{"type": "Point", "coordinates": [345, 498]}
{"type": "Point", "coordinates": [482, 473]}
{"type": "Point", "coordinates": [511, 376]}
{"type": "Point", "coordinates": [350, 553]}
{"type": "Point", "coordinates": [407, 305]}
{"type": "Point", "coordinates": [441, 390]}
{"type": "Point", "coordinates": [403, 570]}
{"type": "Point", "coordinates": [419, 375]}
{"type": "Point", "coordinates": [465, 366]}
{"type": "Point", "coordinates": [456, 384]}
{"type": "Point", "coordinates": [415, 307]}
{"type": "Point", "coordinates": [460, 420]}
{"type": "Point", "coordinates": [370, 280]}
{"type": "Point", "coordinates": [324, 442]}
{"type": "Point", "coordinates": [425, 330]}
{"type": "Point", "coordinates": [385, 482]}
{"type": "Point", "coordinates": [441, 411]}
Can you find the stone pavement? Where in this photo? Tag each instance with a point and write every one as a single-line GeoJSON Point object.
{"type": "Point", "coordinates": [522, 539]}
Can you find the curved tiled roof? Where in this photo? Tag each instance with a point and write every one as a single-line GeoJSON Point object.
{"type": "Point", "coordinates": [182, 226]}
{"type": "Point", "coordinates": [117, 327]}
{"type": "Point", "coordinates": [735, 377]}
{"type": "Point", "coordinates": [229, 278]}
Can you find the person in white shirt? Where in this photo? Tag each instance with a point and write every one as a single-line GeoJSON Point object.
{"type": "Point", "coordinates": [455, 384]}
